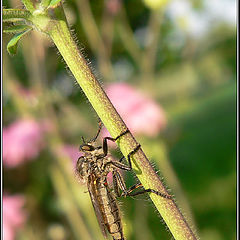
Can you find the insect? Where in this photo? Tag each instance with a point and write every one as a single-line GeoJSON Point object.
{"type": "Point", "coordinates": [93, 167]}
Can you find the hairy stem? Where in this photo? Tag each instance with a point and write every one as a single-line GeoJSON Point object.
{"type": "Point", "coordinates": [55, 25]}
{"type": "Point", "coordinates": [62, 38]}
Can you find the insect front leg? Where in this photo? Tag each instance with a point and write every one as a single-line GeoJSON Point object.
{"type": "Point", "coordinates": [105, 146]}
{"type": "Point", "coordinates": [100, 124]}
{"type": "Point", "coordinates": [130, 154]}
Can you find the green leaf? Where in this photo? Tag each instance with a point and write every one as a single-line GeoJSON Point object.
{"type": "Point", "coordinates": [54, 3]}
{"type": "Point", "coordinates": [12, 15]}
{"type": "Point", "coordinates": [28, 5]}
{"type": "Point", "coordinates": [16, 28]}
{"type": "Point", "coordinates": [45, 3]}
{"type": "Point", "coordinates": [13, 43]}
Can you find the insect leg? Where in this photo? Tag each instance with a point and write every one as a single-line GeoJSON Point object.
{"type": "Point", "coordinates": [119, 184]}
{"type": "Point", "coordinates": [120, 160]}
{"type": "Point", "coordinates": [131, 194]}
{"type": "Point", "coordinates": [99, 130]}
{"type": "Point", "coordinates": [118, 165]}
{"type": "Point", "coordinates": [105, 146]}
{"type": "Point", "coordinates": [116, 186]}
{"type": "Point", "coordinates": [130, 154]}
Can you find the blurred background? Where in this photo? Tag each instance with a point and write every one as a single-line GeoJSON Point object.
{"type": "Point", "coordinates": [169, 68]}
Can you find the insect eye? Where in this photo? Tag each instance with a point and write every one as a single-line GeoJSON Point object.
{"type": "Point", "coordinates": [86, 148]}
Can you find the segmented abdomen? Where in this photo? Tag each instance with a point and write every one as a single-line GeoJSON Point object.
{"type": "Point", "coordinates": [110, 210]}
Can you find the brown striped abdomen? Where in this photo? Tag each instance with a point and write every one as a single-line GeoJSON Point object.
{"type": "Point", "coordinates": [110, 211]}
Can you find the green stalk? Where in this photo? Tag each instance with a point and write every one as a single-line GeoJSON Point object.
{"type": "Point", "coordinates": [68, 207]}
{"type": "Point", "coordinates": [95, 40]}
{"type": "Point", "coordinates": [62, 38]}
{"type": "Point", "coordinates": [57, 29]}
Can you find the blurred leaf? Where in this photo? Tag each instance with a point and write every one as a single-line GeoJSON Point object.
{"type": "Point", "coordinates": [54, 3]}
{"type": "Point", "coordinates": [13, 43]}
{"type": "Point", "coordinates": [12, 15]}
{"type": "Point", "coordinates": [16, 29]}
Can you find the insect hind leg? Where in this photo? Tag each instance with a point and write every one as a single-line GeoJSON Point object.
{"type": "Point", "coordinates": [130, 192]}
{"type": "Point", "coordinates": [132, 153]}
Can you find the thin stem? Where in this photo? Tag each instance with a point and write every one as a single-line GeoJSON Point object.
{"type": "Point", "coordinates": [152, 39]}
{"type": "Point", "coordinates": [107, 29]}
{"type": "Point", "coordinates": [95, 40]}
{"type": "Point", "coordinates": [71, 212]}
{"type": "Point", "coordinates": [62, 38]}
{"type": "Point", "coordinates": [151, 50]}
{"type": "Point", "coordinates": [127, 37]}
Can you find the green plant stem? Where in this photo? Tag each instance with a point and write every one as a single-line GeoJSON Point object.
{"type": "Point", "coordinates": [69, 208]}
{"type": "Point", "coordinates": [57, 29]}
{"type": "Point", "coordinates": [107, 29]}
{"type": "Point", "coordinates": [60, 34]}
{"type": "Point", "coordinates": [127, 37]}
{"type": "Point", "coordinates": [157, 150]}
{"type": "Point", "coordinates": [95, 40]}
{"type": "Point", "coordinates": [152, 40]}
{"type": "Point", "coordinates": [147, 76]}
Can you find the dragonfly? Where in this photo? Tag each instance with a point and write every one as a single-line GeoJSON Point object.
{"type": "Point", "coordinates": [92, 168]}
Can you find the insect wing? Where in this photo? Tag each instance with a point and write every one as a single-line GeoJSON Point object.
{"type": "Point", "coordinates": [92, 188]}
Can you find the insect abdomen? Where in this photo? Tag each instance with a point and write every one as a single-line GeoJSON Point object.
{"type": "Point", "coordinates": [110, 211]}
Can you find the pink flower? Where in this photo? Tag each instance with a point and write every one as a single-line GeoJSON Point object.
{"type": "Point", "coordinates": [28, 95]}
{"type": "Point", "coordinates": [13, 215]}
{"type": "Point", "coordinates": [141, 114]}
{"type": "Point", "coordinates": [113, 6]}
{"type": "Point", "coordinates": [22, 141]}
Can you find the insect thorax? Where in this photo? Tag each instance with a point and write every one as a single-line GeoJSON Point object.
{"type": "Point", "coordinates": [93, 163]}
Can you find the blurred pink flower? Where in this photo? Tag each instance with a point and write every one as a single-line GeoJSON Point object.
{"type": "Point", "coordinates": [113, 6]}
{"type": "Point", "coordinates": [22, 141]}
{"type": "Point", "coordinates": [13, 215]}
{"type": "Point", "coordinates": [141, 114]}
{"type": "Point", "coordinates": [27, 94]}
